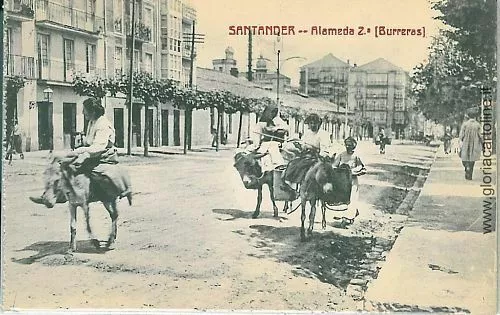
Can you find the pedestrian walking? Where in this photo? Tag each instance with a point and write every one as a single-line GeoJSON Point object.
{"type": "Point", "coordinates": [447, 141]}
{"type": "Point", "coordinates": [15, 144]}
{"type": "Point", "coordinates": [471, 141]}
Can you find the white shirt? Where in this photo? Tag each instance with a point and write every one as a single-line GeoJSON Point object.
{"type": "Point", "coordinates": [319, 140]}
{"type": "Point", "coordinates": [99, 133]}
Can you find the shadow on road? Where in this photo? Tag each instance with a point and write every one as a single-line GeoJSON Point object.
{"type": "Point", "coordinates": [52, 248]}
{"type": "Point", "coordinates": [240, 214]}
{"type": "Point", "coordinates": [329, 257]}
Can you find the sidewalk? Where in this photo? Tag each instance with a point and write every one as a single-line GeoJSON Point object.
{"type": "Point", "coordinates": [164, 150]}
{"type": "Point", "coordinates": [441, 261]}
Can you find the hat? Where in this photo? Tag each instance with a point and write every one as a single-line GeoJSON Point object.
{"type": "Point", "coordinates": [473, 112]}
{"type": "Point", "coordinates": [350, 140]}
{"type": "Point", "coordinates": [313, 118]}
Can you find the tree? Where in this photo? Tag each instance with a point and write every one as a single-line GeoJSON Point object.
{"type": "Point", "coordinates": [473, 29]}
{"type": "Point", "coordinates": [146, 88]}
{"type": "Point", "coordinates": [461, 60]}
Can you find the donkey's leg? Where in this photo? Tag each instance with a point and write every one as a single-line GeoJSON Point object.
{"type": "Point", "coordinates": [259, 201]}
{"type": "Point", "coordinates": [323, 212]}
{"type": "Point", "coordinates": [271, 194]}
{"type": "Point", "coordinates": [303, 219]}
{"type": "Point", "coordinates": [93, 239]}
{"type": "Point", "coordinates": [113, 213]}
{"type": "Point", "coordinates": [312, 215]}
{"type": "Point", "coordinates": [285, 207]}
{"type": "Point", "coordinates": [72, 227]}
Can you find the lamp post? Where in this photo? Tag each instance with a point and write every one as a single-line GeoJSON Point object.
{"type": "Point", "coordinates": [279, 66]}
{"type": "Point", "coordinates": [47, 93]}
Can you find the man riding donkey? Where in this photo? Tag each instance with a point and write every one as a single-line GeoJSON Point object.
{"type": "Point", "coordinates": [95, 159]}
{"type": "Point", "coordinates": [89, 173]}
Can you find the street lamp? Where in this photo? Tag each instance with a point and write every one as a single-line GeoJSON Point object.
{"type": "Point", "coordinates": [279, 65]}
{"type": "Point", "coordinates": [48, 94]}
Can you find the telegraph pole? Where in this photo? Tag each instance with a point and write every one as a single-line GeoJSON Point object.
{"type": "Point", "coordinates": [250, 78]}
{"type": "Point", "coordinates": [131, 82]}
{"type": "Point", "coordinates": [193, 38]}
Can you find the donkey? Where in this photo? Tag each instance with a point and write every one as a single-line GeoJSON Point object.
{"type": "Point", "coordinates": [247, 165]}
{"type": "Point", "coordinates": [63, 182]}
{"type": "Point", "coordinates": [325, 184]}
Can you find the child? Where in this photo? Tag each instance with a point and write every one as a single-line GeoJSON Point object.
{"type": "Point", "coordinates": [350, 158]}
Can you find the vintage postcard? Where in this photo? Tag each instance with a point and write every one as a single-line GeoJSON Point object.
{"type": "Point", "coordinates": [241, 156]}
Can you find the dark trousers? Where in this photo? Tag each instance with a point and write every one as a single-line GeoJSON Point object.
{"type": "Point", "coordinates": [469, 169]}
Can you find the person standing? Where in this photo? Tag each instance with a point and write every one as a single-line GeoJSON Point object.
{"type": "Point", "coordinates": [382, 140]}
{"type": "Point", "coordinates": [357, 167]}
{"type": "Point", "coordinates": [471, 142]}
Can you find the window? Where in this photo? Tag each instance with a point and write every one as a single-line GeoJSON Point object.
{"type": "Point", "coordinates": [118, 60]}
{"type": "Point", "coordinates": [118, 9]}
{"type": "Point", "coordinates": [90, 9]}
{"type": "Point", "coordinates": [90, 58]}
{"type": "Point", "coordinates": [148, 20]}
{"type": "Point", "coordinates": [164, 66]}
{"type": "Point", "coordinates": [43, 48]}
{"type": "Point", "coordinates": [69, 54]}
{"type": "Point", "coordinates": [137, 60]}
{"type": "Point", "coordinates": [148, 63]}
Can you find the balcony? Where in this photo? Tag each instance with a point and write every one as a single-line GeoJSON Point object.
{"type": "Point", "coordinates": [20, 66]}
{"type": "Point", "coordinates": [22, 10]}
{"type": "Point", "coordinates": [377, 83]}
{"type": "Point", "coordinates": [142, 32]}
{"type": "Point", "coordinates": [376, 95]}
{"type": "Point", "coordinates": [56, 16]}
{"type": "Point", "coordinates": [188, 13]}
{"type": "Point", "coordinates": [57, 71]}
{"type": "Point", "coordinates": [186, 51]}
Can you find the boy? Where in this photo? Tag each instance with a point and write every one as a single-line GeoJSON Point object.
{"type": "Point", "coordinates": [357, 167]}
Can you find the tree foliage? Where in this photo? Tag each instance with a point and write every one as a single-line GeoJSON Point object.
{"type": "Point", "coordinates": [461, 60]}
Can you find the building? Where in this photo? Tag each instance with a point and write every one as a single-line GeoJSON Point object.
{"type": "Point", "coordinates": [268, 80]}
{"type": "Point", "coordinates": [50, 41]}
{"type": "Point", "coordinates": [379, 92]}
{"type": "Point", "coordinates": [227, 64]}
{"type": "Point", "coordinates": [326, 78]}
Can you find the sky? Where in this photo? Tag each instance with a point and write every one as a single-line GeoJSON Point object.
{"type": "Point", "coordinates": [215, 16]}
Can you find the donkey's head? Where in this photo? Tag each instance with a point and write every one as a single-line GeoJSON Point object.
{"type": "Point", "coordinates": [52, 181]}
{"type": "Point", "coordinates": [248, 167]}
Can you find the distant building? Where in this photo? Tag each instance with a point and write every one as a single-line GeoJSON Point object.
{"type": "Point", "coordinates": [268, 80]}
{"type": "Point", "coordinates": [379, 93]}
{"type": "Point", "coordinates": [228, 64]}
{"type": "Point", "coordinates": [326, 78]}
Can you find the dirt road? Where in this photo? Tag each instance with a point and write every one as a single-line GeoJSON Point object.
{"type": "Point", "coordinates": [189, 242]}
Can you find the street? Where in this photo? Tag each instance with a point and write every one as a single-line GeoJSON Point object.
{"type": "Point", "coordinates": [189, 242]}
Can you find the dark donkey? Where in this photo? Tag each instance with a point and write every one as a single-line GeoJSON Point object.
{"type": "Point", "coordinates": [247, 165]}
{"type": "Point", "coordinates": [325, 184]}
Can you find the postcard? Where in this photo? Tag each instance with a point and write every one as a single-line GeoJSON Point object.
{"type": "Point", "coordinates": [229, 156]}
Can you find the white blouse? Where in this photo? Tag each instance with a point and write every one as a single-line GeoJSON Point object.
{"type": "Point", "coordinates": [99, 133]}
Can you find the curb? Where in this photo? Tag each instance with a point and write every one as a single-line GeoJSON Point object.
{"type": "Point", "coordinates": [358, 287]}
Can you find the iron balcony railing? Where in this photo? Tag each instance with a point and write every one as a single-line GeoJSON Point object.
{"type": "Point", "coordinates": [22, 7]}
{"type": "Point", "coordinates": [142, 32]}
{"type": "Point", "coordinates": [60, 71]}
{"type": "Point", "coordinates": [21, 66]}
{"type": "Point", "coordinates": [47, 11]}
